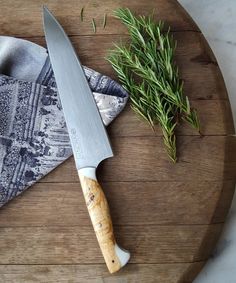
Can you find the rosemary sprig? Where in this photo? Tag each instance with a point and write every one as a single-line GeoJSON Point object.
{"type": "Point", "coordinates": [147, 103]}
{"type": "Point", "coordinates": [147, 70]}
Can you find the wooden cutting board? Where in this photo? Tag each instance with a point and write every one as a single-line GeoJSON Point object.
{"type": "Point", "coordinates": [169, 216]}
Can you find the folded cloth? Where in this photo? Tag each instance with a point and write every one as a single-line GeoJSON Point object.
{"type": "Point", "coordinates": [33, 134]}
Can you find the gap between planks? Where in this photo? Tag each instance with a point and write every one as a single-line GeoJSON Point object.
{"type": "Point", "coordinates": [102, 34]}
{"type": "Point", "coordinates": [115, 226]}
{"type": "Point", "coordinates": [102, 264]}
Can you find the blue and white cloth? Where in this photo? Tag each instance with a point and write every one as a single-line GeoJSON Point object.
{"type": "Point", "coordinates": [33, 134]}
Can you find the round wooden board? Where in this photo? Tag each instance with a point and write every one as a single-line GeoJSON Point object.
{"type": "Point", "coordinates": [169, 216]}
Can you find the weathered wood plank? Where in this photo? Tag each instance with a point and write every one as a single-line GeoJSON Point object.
{"type": "Point", "coordinates": [199, 71]}
{"type": "Point", "coordinates": [78, 244]}
{"type": "Point", "coordinates": [189, 202]}
{"type": "Point", "coordinates": [210, 159]}
{"type": "Point", "coordinates": [28, 15]}
{"type": "Point", "coordinates": [211, 124]}
{"type": "Point", "coordinates": [133, 273]}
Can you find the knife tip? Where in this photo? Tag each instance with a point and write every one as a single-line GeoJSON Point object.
{"type": "Point", "coordinates": [45, 9]}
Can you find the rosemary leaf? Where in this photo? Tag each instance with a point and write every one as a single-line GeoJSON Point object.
{"type": "Point", "coordinates": [82, 14]}
{"type": "Point", "coordinates": [104, 21]}
{"type": "Point", "coordinates": [94, 26]}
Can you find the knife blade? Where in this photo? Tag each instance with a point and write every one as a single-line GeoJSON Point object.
{"type": "Point", "coordinates": [88, 137]}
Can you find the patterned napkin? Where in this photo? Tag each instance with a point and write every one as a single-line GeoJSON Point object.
{"type": "Point", "coordinates": [33, 134]}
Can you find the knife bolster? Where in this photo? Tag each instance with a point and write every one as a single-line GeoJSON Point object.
{"type": "Point", "coordinates": [97, 205]}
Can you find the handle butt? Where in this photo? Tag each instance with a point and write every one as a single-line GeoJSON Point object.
{"type": "Point", "coordinates": [122, 254]}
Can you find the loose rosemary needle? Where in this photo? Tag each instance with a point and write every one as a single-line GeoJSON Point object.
{"type": "Point", "coordinates": [147, 70]}
{"type": "Point", "coordinates": [104, 20]}
{"type": "Point", "coordinates": [82, 14]}
{"type": "Point", "coordinates": [94, 25]}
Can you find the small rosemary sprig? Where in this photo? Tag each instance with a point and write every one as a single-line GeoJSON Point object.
{"type": "Point", "coordinates": [147, 70]}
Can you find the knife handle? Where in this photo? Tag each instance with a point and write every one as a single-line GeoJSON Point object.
{"type": "Point", "coordinates": [98, 209]}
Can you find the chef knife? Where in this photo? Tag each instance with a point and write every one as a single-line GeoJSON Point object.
{"type": "Point", "coordinates": [88, 137]}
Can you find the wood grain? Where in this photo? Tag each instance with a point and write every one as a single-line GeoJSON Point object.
{"type": "Point", "coordinates": [191, 56]}
{"type": "Point", "coordinates": [150, 273]}
{"type": "Point", "coordinates": [211, 124]}
{"type": "Point", "coordinates": [29, 14]}
{"type": "Point", "coordinates": [170, 216]}
{"type": "Point", "coordinates": [77, 244]}
{"type": "Point", "coordinates": [34, 207]}
{"type": "Point", "coordinates": [144, 159]}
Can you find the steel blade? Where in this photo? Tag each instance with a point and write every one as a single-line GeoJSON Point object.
{"type": "Point", "coordinates": [89, 140]}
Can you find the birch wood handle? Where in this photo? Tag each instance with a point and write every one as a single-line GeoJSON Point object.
{"type": "Point", "coordinates": [98, 209]}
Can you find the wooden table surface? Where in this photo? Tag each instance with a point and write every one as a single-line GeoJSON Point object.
{"type": "Point", "coordinates": [169, 216]}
